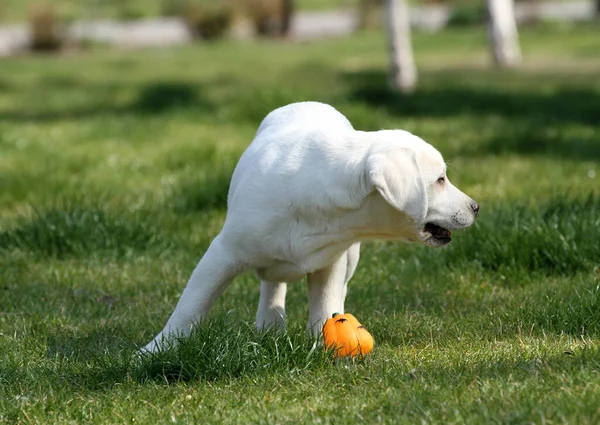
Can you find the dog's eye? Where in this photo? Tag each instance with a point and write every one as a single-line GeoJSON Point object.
{"type": "Point", "coordinates": [441, 180]}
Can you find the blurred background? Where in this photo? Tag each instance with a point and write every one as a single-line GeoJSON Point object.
{"type": "Point", "coordinates": [71, 24]}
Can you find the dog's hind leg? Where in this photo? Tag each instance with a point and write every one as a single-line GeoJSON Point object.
{"type": "Point", "coordinates": [212, 275]}
{"type": "Point", "coordinates": [271, 307]}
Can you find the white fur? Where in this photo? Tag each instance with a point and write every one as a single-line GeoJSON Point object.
{"type": "Point", "coordinates": [305, 193]}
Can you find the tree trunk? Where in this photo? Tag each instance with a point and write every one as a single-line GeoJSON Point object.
{"type": "Point", "coordinates": [403, 73]}
{"type": "Point", "coordinates": [287, 14]}
{"type": "Point", "coordinates": [504, 39]}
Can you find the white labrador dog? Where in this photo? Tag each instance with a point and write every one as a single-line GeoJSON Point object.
{"type": "Point", "coordinates": [303, 196]}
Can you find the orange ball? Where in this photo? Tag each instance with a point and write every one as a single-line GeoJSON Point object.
{"type": "Point", "coordinates": [346, 336]}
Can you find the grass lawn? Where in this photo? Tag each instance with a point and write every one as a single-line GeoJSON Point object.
{"type": "Point", "coordinates": [114, 168]}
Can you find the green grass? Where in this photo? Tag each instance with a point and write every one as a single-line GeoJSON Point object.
{"type": "Point", "coordinates": [114, 169]}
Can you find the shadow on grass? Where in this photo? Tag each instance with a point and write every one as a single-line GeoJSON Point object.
{"type": "Point", "coordinates": [531, 112]}
{"type": "Point", "coordinates": [203, 192]}
{"type": "Point", "coordinates": [71, 229]}
{"type": "Point", "coordinates": [243, 105]}
{"type": "Point", "coordinates": [90, 343]}
{"type": "Point", "coordinates": [456, 97]}
{"type": "Point", "coordinates": [152, 98]}
{"type": "Point", "coordinates": [164, 96]}
{"type": "Point", "coordinates": [207, 187]}
{"type": "Point", "coordinates": [534, 137]}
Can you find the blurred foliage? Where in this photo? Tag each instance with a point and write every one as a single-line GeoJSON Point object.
{"type": "Point", "coordinates": [16, 10]}
{"type": "Point", "coordinates": [369, 13]}
{"type": "Point", "coordinates": [269, 17]}
{"type": "Point", "coordinates": [44, 28]}
{"type": "Point", "coordinates": [129, 10]}
{"type": "Point", "coordinates": [213, 18]}
{"type": "Point", "coordinates": [173, 7]}
{"type": "Point", "coordinates": [208, 19]}
{"type": "Point", "coordinates": [369, 10]}
{"type": "Point", "coordinates": [464, 14]}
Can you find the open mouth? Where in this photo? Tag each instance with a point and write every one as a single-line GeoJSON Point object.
{"type": "Point", "coordinates": [438, 233]}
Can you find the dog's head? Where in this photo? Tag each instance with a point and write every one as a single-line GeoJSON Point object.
{"type": "Point", "coordinates": [410, 175]}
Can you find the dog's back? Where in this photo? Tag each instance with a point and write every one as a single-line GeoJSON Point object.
{"type": "Point", "coordinates": [289, 137]}
{"type": "Point", "coordinates": [305, 115]}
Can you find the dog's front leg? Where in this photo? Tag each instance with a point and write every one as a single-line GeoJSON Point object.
{"type": "Point", "coordinates": [352, 257]}
{"type": "Point", "coordinates": [326, 292]}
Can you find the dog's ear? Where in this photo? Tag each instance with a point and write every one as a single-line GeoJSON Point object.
{"type": "Point", "coordinates": [396, 175]}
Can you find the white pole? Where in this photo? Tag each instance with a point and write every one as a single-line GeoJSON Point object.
{"type": "Point", "coordinates": [403, 72]}
{"type": "Point", "coordinates": [504, 38]}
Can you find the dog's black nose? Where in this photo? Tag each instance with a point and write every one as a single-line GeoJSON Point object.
{"type": "Point", "coordinates": [475, 207]}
